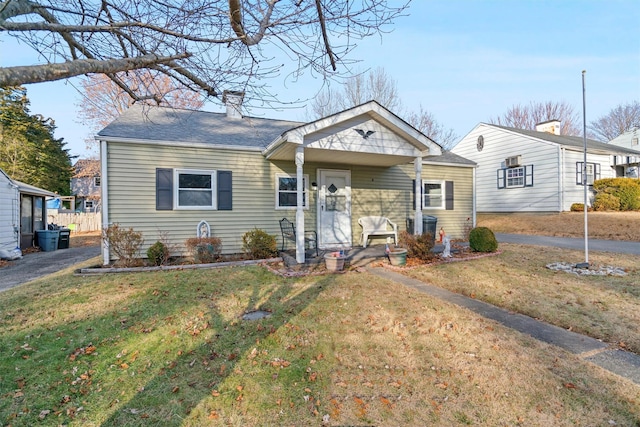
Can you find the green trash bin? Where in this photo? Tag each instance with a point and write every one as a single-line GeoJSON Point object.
{"type": "Point", "coordinates": [48, 239]}
{"type": "Point", "coordinates": [429, 225]}
{"type": "Point", "coordinates": [63, 238]}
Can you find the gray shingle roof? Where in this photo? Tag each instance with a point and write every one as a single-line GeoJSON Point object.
{"type": "Point", "coordinates": [573, 141]}
{"type": "Point", "coordinates": [167, 124]}
{"type": "Point", "coordinates": [448, 157]}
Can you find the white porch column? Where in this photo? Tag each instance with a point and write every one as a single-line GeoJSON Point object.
{"type": "Point", "coordinates": [417, 221]}
{"type": "Point", "coordinates": [300, 255]}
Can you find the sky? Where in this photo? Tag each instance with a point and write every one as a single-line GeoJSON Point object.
{"type": "Point", "coordinates": [464, 61]}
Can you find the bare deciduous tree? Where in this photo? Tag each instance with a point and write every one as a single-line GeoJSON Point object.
{"type": "Point", "coordinates": [205, 45]}
{"type": "Point", "coordinates": [379, 86]}
{"type": "Point", "coordinates": [527, 116]}
{"type": "Point", "coordinates": [619, 120]}
{"type": "Point", "coordinates": [374, 85]}
{"type": "Point", "coordinates": [426, 123]}
{"type": "Point", "coordinates": [103, 101]}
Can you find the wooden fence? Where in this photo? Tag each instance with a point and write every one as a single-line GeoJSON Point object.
{"type": "Point", "coordinates": [77, 222]}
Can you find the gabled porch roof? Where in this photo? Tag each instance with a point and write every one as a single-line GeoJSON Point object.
{"type": "Point", "coordinates": [368, 134]}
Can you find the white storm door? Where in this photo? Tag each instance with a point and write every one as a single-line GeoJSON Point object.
{"type": "Point", "coordinates": [334, 208]}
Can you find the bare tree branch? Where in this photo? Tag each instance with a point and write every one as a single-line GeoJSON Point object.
{"type": "Point", "coordinates": [619, 120]}
{"type": "Point", "coordinates": [16, 76]}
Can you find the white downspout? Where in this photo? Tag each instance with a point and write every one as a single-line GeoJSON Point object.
{"type": "Point", "coordinates": [417, 221]}
{"type": "Point", "coordinates": [300, 255]}
{"type": "Point", "coordinates": [104, 196]}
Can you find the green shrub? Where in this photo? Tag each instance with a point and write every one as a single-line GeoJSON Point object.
{"type": "Point", "coordinates": [579, 207]}
{"type": "Point", "coordinates": [419, 246]}
{"type": "Point", "coordinates": [158, 253]}
{"type": "Point", "coordinates": [258, 244]}
{"type": "Point", "coordinates": [204, 250]}
{"type": "Point", "coordinates": [606, 202]}
{"type": "Point", "coordinates": [124, 243]}
{"type": "Point", "coordinates": [627, 190]}
{"type": "Point", "coordinates": [482, 239]}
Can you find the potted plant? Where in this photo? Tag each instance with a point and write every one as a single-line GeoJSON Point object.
{"type": "Point", "coordinates": [335, 261]}
{"type": "Point", "coordinates": [397, 255]}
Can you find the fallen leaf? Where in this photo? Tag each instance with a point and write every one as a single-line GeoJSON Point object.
{"type": "Point", "coordinates": [570, 385]}
{"type": "Point", "coordinates": [175, 389]}
{"type": "Point", "coordinates": [213, 415]}
{"type": "Point", "coordinates": [215, 393]}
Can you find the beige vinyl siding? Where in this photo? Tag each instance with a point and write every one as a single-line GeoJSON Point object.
{"type": "Point", "coordinates": [131, 186]}
{"type": "Point", "coordinates": [383, 191]}
{"type": "Point", "coordinates": [388, 192]}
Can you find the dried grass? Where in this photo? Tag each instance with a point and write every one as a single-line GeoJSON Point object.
{"type": "Point", "coordinates": [601, 225]}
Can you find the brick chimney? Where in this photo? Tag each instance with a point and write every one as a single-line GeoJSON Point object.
{"type": "Point", "coordinates": [551, 126]}
{"type": "Point", "coordinates": [233, 101]}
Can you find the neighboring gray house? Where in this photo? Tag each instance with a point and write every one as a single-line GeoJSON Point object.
{"type": "Point", "coordinates": [628, 165]}
{"type": "Point", "coordinates": [165, 170]}
{"type": "Point", "coordinates": [85, 185]}
{"type": "Point", "coordinates": [535, 171]}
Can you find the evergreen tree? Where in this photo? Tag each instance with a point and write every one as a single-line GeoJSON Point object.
{"type": "Point", "coordinates": [28, 150]}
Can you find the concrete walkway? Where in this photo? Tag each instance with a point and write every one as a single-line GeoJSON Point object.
{"type": "Point", "coordinates": [38, 264]}
{"type": "Point", "coordinates": [620, 246]}
{"type": "Point", "coordinates": [623, 363]}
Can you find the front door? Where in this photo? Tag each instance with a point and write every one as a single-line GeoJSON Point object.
{"type": "Point", "coordinates": [334, 208]}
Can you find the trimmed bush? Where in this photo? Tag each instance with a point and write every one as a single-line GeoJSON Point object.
{"type": "Point", "coordinates": [606, 202]}
{"type": "Point", "coordinates": [579, 207]}
{"type": "Point", "coordinates": [258, 244]}
{"type": "Point", "coordinates": [417, 246]}
{"type": "Point", "coordinates": [204, 250]}
{"type": "Point", "coordinates": [158, 253]}
{"type": "Point", "coordinates": [124, 243]}
{"type": "Point", "coordinates": [482, 239]}
{"type": "Point", "coordinates": [627, 190]}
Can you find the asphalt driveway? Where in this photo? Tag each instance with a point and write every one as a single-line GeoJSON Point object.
{"type": "Point", "coordinates": [39, 264]}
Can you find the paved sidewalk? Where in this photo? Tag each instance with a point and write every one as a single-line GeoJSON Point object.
{"type": "Point", "coordinates": [619, 246]}
{"type": "Point", "coordinates": [623, 363]}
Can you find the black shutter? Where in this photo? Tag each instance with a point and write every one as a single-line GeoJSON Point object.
{"type": "Point", "coordinates": [448, 194]}
{"type": "Point", "coordinates": [164, 189]}
{"type": "Point", "coordinates": [579, 173]}
{"type": "Point", "coordinates": [501, 178]}
{"type": "Point", "coordinates": [224, 191]}
{"type": "Point", "coordinates": [528, 176]}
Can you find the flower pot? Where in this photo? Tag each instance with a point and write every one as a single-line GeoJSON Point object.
{"type": "Point", "coordinates": [334, 262]}
{"type": "Point", "coordinates": [398, 257]}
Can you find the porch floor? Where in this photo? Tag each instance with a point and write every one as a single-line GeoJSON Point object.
{"type": "Point", "coordinates": [357, 256]}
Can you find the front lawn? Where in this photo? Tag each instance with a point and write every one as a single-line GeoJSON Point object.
{"type": "Point", "coordinates": [171, 348]}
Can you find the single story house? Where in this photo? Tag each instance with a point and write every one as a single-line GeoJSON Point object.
{"type": "Point", "coordinates": [536, 171]}
{"type": "Point", "coordinates": [166, 170]}
{"type": "Point", "coordinates": [22, 213]}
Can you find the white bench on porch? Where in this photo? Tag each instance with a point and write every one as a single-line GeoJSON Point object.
{"type": "Point", "coordinates": [377, 226]}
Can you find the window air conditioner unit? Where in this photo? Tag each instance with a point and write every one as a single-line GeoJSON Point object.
{"type": "Point", "coordinates": [513, 161]}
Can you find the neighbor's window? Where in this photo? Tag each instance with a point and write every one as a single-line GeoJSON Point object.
{"type": "Point", "coordinates": [96, 181]}
{"type": "Point", "coordinates": [286, 193]}
{"type": "Point", "coordinates": [88, 204]}
{"type": "Point", "coordinates": [195, 189]}
{"type": "Point", "coordinates": [521, 176]}
{"type": "Point", "coordinates": [593, 173]}
{"type": "Point", "coordinates": [515, 177]}
{"type": "Point", "coordinates": [433, 194]}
